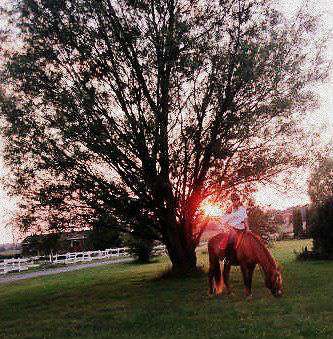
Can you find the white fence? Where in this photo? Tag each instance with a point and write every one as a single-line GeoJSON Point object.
{"type": "Point", "coordinates": [75, 257]}
{"type": "Point", "coordinates": [159, 250]}
{"type": "Point", "coordinates": [16, 265]}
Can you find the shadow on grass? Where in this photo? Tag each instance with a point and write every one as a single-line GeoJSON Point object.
{"type": "Point", "coordinates": [172, 274]}
{"type": "Point", "coordinates": [137, 263]}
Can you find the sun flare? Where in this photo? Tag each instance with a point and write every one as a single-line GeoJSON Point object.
{"type": "Point", "coordinates": [212, 210]}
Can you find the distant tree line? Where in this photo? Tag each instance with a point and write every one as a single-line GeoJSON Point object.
{"type": "Point", "coordinates": [321, 223]}
{"type": "Point", "coordinates": [321, 211]}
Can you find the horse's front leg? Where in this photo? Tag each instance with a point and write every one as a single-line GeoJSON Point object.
{"type": "Point", "coordinates": [247, 280]}
{"type": "Point", "coordinates": [215, 277]}
{"type": "Point", "coordinates": [250, 268]}
{"type": "Point", "coordinates": [215, 253]}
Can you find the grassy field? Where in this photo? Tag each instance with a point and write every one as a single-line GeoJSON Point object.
{"type": "Point", "coordinates": [129, 300]}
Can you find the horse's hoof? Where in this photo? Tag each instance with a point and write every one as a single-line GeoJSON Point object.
{"type": "Point", "coordinates": [218, 293]}
{"type": "Point", "coordinates": [219, 289]}
{"type": "Point", "coordinates": [249, 297]}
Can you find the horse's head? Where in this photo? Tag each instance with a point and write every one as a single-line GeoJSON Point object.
{"type": "Point", "coordinates": [274, 282]}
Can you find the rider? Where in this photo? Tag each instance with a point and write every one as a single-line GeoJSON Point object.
{"type": "Point", "coordinates": [234, 223]}
{"type": "Point", "coordinates": [236, 216]}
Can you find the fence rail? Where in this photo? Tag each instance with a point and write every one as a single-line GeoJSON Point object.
{"type": "Point", "coordinates": [16, 265]}
{"type": "Point", "coordinates": [75, 257]}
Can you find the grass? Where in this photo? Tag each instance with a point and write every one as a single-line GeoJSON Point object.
{"type": "Point", "coordinates": [128, 301]}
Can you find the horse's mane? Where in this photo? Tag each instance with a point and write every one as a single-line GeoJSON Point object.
{"type": "Point", "coordinates": [253, 246]}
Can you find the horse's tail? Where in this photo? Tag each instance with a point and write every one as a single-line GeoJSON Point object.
{"type": "Point", "coordinates": [214, 275]}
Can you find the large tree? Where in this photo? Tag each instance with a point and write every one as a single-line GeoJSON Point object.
{"type": "Point", "coordinates": [144, 108]}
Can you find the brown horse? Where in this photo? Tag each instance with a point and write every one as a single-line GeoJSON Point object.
{"type": "Point", "coordinates": [246, 251]}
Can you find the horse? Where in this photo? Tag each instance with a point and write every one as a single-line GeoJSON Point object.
{"type": "Point", "coordinates": [246, 250]}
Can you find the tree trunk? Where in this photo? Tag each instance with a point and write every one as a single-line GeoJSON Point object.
{"type": "Point", "coordinates": [183, 260]}
{"type": "Point", "coordinates": [177, 237]}
{"type": "Point", "coordinates": [180, 249]}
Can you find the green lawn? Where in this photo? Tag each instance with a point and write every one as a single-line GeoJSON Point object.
{"type": "Point", "coordinates": [128, 301]}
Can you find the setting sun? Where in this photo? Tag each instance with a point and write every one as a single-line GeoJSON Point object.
{"type": "Point", "coordinates": [212, 209]}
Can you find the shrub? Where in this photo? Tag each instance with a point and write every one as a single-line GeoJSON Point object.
{"type": "Point", "coordinates": [140, 248]}
{"type": "Point", "coordinates": [321, 229]}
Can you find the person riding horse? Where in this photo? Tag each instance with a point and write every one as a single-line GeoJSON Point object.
{"type": "Point", "coordinates": [236, 218]}
{"type": "Point", "coordinates": [236, 245]}
{"type": "Point", "coordinates": [233, 224]}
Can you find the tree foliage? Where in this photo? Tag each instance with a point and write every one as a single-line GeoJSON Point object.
{"type": "Point", "coordinates": [321, 220]}
{"type": "Point", "coordinates": [144, 108]}
{"type": "Point", "coordinates": [321, 181]}
{"type": "Point", "coordinates": [42, 244]}
{"type": "Point", "coordinates": [105, 234]}
{"type": "Point", "coordinates": [297, 222]}
{"type": "Point", "coordinates": [261, 222]}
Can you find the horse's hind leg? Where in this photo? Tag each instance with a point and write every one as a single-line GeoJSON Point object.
{"type": "Point", "coordinates": [214, 276]}
{"type": "Point", "coordinates": [226, 274]}
{"type": "Point", "coordinates": [211, 279]}
{"type": "Point", "coordinates": [215, 255]}
{"type": "Point", "coordinates": [218, 278]}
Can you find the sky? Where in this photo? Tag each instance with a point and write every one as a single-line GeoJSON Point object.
{"type": "Point", "coordinates": [267, 195]}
